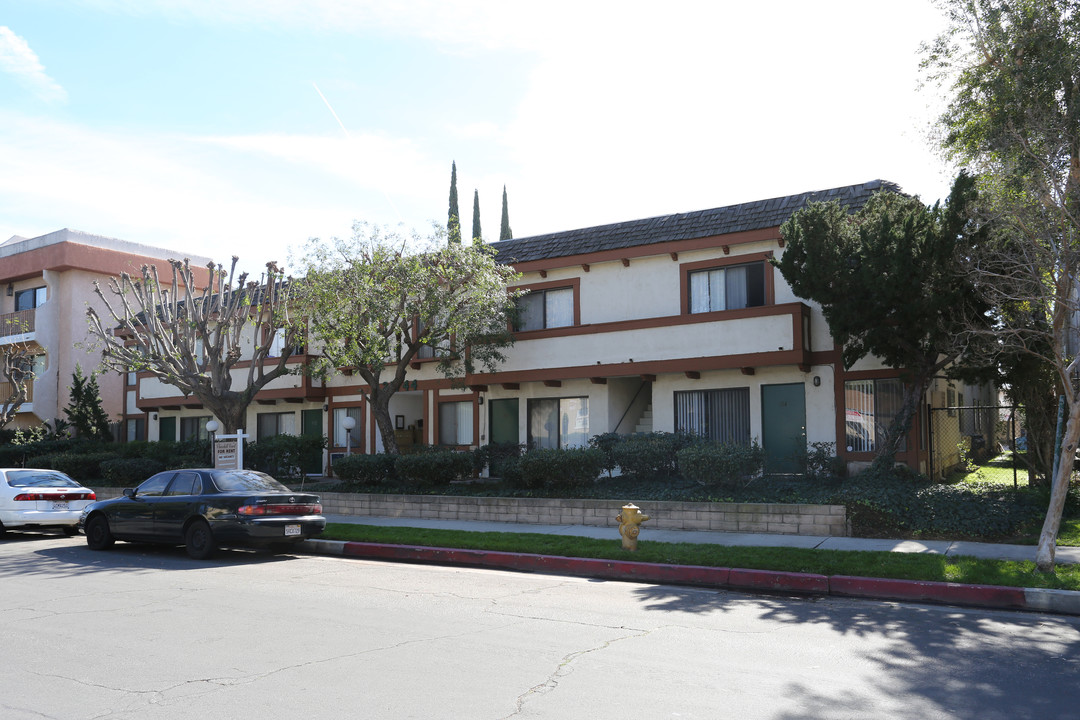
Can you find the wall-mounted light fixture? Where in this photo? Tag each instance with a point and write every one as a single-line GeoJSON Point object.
{"type": "Point", "coordinates": [10, 289]}
{"type": "Point", "coordinates": [817, 381]}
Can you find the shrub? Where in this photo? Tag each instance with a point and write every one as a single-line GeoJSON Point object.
{"type": "Point", "coordinates": [366, 469]}
{"type": "Point", "coordinates": [81, 466]}
{"type": "Point", "coordinates": [721, 464]}
{"type": "Point", "coordinates": [437, 467]}
{"type": "Point", "coordinates": [651, 455]}
{"type": "Point", "coordinates": [281, 455]}
{"type": "Point", "coordinates": [896, 501]}
{"type": "Point", "coordinates": [821, 463]}
{"type": "Point", "coordinates": [554, 468]}
{"type": "Point", "coordinates": [605, 443]}
{"type": "Point", "coordinates": [130, 471]}
{"type": "Point", "coordinates": [494, 457]}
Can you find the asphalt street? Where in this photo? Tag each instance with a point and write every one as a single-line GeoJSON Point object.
{"type": "Point", "coordinates": [145, 632]}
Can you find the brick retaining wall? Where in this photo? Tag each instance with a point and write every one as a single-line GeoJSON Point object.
{"type": "Point", "coordinates": [780, 519]}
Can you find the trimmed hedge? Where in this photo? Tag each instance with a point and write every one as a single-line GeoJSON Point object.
{"type": "Point", "coordinates": [434, 468]}
{"type": "Point", "coordinates": [128, 472]}
{"type": "Point", "coordinates": [366, 469]}
{"type": "Point", "coordinates": [726, 465]}
{"type": "Point", "coordinates": [650, 455]}
{"type": "Point", "coordinates": [552, 468]}
{"type": "Point", "coordinates": [81, 466]}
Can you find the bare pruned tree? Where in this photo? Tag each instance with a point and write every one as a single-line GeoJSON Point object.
{"type": "Point", "coordinates": [205, 340]}
{"type": "Point", "coordinates": [18, 373]}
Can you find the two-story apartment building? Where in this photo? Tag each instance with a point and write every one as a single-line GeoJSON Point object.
{"type": "Point", "coordinates": [673, 323]}
{"type": "Point", "coordinates": [46, 284]}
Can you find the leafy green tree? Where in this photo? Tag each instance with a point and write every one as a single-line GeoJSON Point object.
{"type": "Point", "coordinates": [889, 284]}
{"type": "Point", "coordinates": [476, 218]}
{"type": "Point", "coordinates": [193, 333]}
{"type": "Point", "coordinates": [504, 230]}
{"type": "Point", "coordinates": [1011, 71]}
{"type": "Point", "coordinates": [453, 221]}
{"type": "Point", "coordinates": [378, 300]}
{"type": "Point", "coordinates": [84, 411]}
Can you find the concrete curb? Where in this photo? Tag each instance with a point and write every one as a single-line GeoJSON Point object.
{"type": "Point", "coordinates": [1063, 602]}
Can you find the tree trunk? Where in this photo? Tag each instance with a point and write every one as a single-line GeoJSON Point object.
{"type": "Point", "coordinates": [900, 425]}
{"type": "Point", "coordinates": [1044, 556]}
{"type": "Point", "coordinates": [380, 410]}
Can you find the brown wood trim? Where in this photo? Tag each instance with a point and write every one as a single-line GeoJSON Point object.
{"type": "Point", "coordinates": [511, 386]}
{"type": "Point", "coordinates": [598, 380]}
{"type": "Point", "coordinates": [693, 375]}
{"type": "Point", "coordinates": [553, 383]}
{"type": "Point", "coordinates": [661, 248]}
{"type": "Point", "coordinates": [665, 321]}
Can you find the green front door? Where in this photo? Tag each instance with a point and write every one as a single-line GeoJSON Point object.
{"type": "Point", "coordinates": [783, 427]}
{"type": "Point", "coordinates": [504, 422]}
{"type": "Point", "coordinates": [311, 425]}
{"type": "Point", "coordinates": [167, 429]}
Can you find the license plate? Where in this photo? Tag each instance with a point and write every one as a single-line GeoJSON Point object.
{"type": "Point", "coordinates": [60, 505]}
{"type": "Point", "coordinates": [292, 530]}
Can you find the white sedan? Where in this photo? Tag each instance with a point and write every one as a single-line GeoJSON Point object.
{"type": "Point", "coordinates": [41, 499]}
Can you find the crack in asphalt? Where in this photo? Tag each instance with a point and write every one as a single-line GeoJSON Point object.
{"type": "Point", "coordinates": [563, 669]}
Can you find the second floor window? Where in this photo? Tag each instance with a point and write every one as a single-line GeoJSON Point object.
{"type": "Point", "coordinates": [29, 299]}
{"type": "Point", "coordinates": [727, 288]}
{"type": "Point", "coordinates": [545, 309]}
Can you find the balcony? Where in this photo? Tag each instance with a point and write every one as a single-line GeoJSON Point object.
{"type": "Point", "coordinates": [17, 326]}
{"type": "Point", "coordinates": [7, 388]}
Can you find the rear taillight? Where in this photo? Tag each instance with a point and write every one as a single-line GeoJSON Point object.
{"type": "Point", "coordinates": [277, 509]}
{"type": "Point", "coordinates": [35, 497]}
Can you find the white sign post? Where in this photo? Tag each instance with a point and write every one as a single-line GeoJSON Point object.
{"type": "Point", "coordinates": [229, 451]}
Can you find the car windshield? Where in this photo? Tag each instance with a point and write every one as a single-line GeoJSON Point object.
{"type": "Point", "coordinates": [39, 478]}
{"type": "Point", "coordinates": [247, 481]}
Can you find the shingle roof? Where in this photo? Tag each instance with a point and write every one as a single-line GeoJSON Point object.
{"type": "Point", "coordinates": [681, 226]}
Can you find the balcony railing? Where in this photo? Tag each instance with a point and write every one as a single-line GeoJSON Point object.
{"type": "Point", "coordinates": [6, 389]}
{"type": "Point", "coordinates": [17, 323]}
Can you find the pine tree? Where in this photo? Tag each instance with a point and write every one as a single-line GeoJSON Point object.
{"type": "Point", "coordinates": [84, 410]}
{"type": "Point", "coordinates": [504, 231]}
{"type": "Point", "coordinates": [476, 218]}
{"type": "Point", "coordinates": [453, 222]}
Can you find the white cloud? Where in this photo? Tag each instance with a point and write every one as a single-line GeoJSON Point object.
{"type": "Point", "coordinates": [18, 60]}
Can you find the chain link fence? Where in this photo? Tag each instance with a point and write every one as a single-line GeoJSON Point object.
{"type": "Point", "coordinates": [963, 435]}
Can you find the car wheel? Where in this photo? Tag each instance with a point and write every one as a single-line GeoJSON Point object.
{"type": "Point", "coordinates": [98, 534]}
{"type": "Point", "coordinates": [199, 540]}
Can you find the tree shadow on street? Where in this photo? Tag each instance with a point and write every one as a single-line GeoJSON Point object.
{"type": "Point", "coordinates": [947, 662]}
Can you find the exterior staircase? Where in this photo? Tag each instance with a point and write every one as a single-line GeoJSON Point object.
{"type": "Point", "coordinates": [644, 423]}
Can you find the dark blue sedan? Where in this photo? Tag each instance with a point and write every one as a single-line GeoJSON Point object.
{"type": "Point", "coordinates": [202, 509]}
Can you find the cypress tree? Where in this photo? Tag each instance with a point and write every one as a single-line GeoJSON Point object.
{"type": "Point", "coordinates": [453, 222]}
{"type": "Point", "coordinates": [476, 218]}
{"type": "Point", "coordinates": [504, 231]}
{"type": "Point", "coordinates": [84, 410]}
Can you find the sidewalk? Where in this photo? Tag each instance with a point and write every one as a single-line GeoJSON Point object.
{"type": "Point", "coordinates": [987, 596]}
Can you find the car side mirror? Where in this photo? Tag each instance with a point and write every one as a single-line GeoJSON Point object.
{"type": "Point", "coordinates": [129, 492]}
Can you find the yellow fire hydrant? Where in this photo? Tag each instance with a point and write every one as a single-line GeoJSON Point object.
{"type": "Point", "coordinates": [630, 520]}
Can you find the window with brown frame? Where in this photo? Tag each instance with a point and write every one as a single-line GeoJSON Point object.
{"type": "Point", "coordinates": [731, 287]}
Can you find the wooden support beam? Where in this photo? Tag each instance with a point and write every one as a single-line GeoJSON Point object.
{"type": "Point", "coordinates": [727, 249]}
{"type": "Point", "coordinates": [598, 380]}
{"type": "Point", "coordinates": [804, 367]}
{"type": "Point", "coordinates": [648, 378]}
{"type": "Point", "coordinates": [511, 386]}
{"type": "Point", "coordinates": [693, 374]}
{"type": "Point", "coordinates": [585, 267]}
{"type": "Point", "coordinates": [675, 256]}
{"type": "Point", "coordinates": [543, 273]}
{"type": "Point", "coordinates": [553, 383]}
{"type": "Point", "coordinates": [747, 371]}
{"type": "Point", "coordinates": [478, 388]}
{"type": "Point", "coordinates": [781, 241]}
{"type": "Point", "coordinates": [625, 262]}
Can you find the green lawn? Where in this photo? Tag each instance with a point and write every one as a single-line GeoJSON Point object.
{"type": "Point", "coordinates": [996, 471]}
{"type": "Point", "coordinates": [906, 566]}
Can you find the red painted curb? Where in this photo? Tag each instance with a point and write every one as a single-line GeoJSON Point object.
{"type": "Point", "coordinates": [950, 593]}
{"type": "Point", "coordinates": [779, 581]}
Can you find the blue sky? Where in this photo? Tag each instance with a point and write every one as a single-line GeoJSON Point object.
{"type": "Point", "coordinates": [198, 125]}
